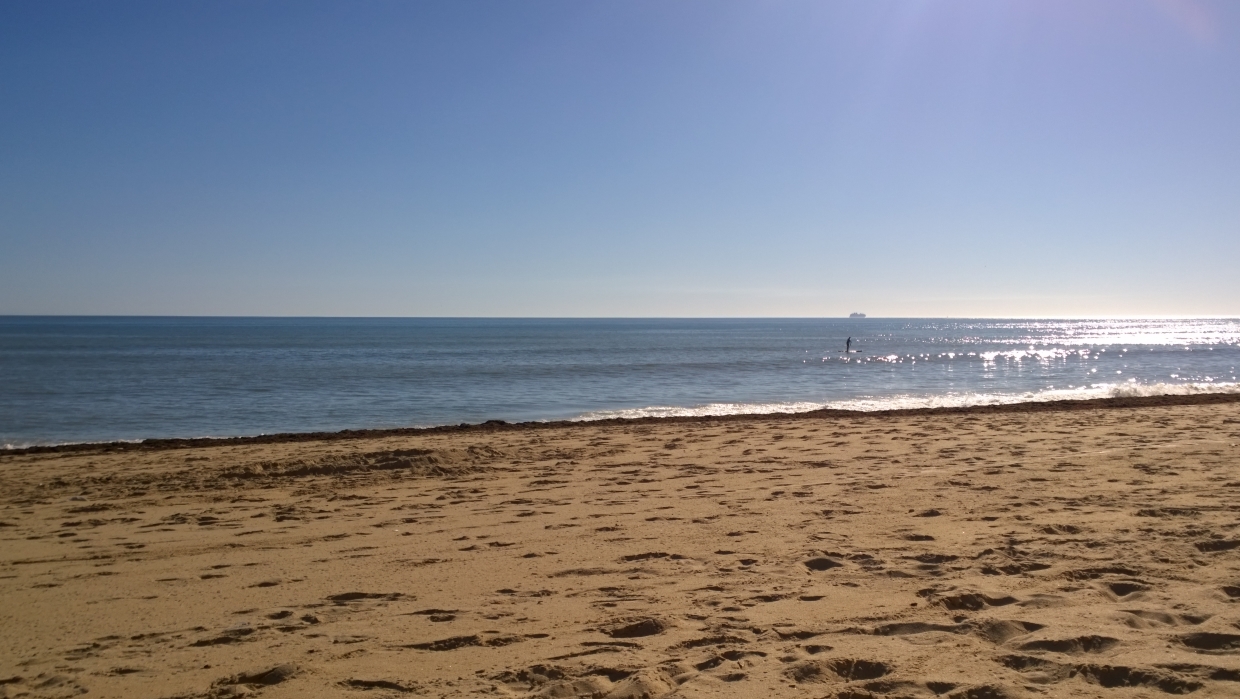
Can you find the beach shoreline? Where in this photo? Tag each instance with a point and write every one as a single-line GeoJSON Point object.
{"type": "Point", "coordinates": [502, 425]}
{"type": "Point", "coordinates": [1001, 551]}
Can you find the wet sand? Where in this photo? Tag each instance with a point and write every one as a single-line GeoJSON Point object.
{"type": "Point", "coordinates": [1086, 549]}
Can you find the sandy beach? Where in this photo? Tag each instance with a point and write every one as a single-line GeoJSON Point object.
{"type": "Point", "coordinates": [1048, 550]}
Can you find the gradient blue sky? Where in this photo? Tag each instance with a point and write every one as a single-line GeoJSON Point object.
{"type": "Point", "coordinates": [669, 158]}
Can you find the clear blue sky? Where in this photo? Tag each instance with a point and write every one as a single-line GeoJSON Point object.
{"type": "Point", "coordinates": [683, 158]}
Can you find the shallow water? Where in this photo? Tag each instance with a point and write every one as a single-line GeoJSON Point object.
{"type": "Point", "coordinates": [66, 379]}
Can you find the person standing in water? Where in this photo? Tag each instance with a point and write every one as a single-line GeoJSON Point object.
{"type": "Point", "coordinates": [848, 345]}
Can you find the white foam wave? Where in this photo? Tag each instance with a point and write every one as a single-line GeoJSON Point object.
{"type": "Point", "coordinates": [907, 401]}
{"type": "Point", "coordinates": [36, 443]}
{"type": "Point", "coordinates": [709, 410]}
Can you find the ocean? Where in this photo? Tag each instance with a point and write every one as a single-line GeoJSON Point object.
{"type": "Point", "coordinates": [90, 379]}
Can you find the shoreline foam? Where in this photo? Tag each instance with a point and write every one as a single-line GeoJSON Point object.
{"type": "Point", "coordinates": [899, 402]}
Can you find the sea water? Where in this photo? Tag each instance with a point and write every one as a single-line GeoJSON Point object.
{"type": "Point", "coordinates": [74, 379]}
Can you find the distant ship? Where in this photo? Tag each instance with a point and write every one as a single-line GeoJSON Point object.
{"type": "Point", "coordinates": [856, 315]}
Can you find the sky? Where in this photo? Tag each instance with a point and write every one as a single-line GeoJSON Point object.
{"type": "Point", "coordinates": [675, 158]}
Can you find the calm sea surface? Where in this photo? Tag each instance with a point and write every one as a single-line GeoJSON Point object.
{"type": "Point", "coordinates": [65, 379]}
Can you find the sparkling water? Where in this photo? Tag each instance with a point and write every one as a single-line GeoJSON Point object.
{"type": "Point", "coordinates": [65, 379]}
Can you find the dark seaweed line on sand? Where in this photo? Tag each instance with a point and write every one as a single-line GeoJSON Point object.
{"type": "Point", "coordinates": [501, 426]}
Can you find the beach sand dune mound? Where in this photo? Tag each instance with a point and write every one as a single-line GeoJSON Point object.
{"type": "Point", "coordinates": [1163, 679]}
{"type": "Point", "coordinates": [126, 474]}
{"type": "Point", "coordinates": [408, 462]}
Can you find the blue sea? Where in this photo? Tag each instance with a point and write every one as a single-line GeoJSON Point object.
{"type": "Point", "coordinates": [87, 379]}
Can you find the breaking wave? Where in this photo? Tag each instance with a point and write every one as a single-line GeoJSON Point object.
{"type": "Point", "coordinates": [906, 401]}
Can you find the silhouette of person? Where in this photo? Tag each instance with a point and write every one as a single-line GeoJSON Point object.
{"type": "Point", "coordinates": [848, 345]}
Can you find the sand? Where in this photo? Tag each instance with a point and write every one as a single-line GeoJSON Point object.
{"type": "Point", "coordinates": [1077, 550]}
